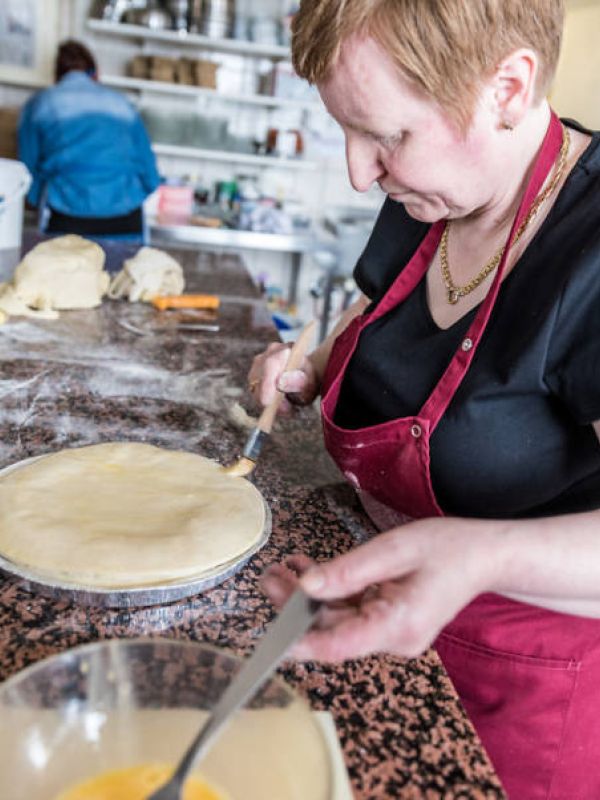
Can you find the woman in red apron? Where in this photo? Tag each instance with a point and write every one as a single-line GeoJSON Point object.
{"type": "Point", "coordinates": [526, 672]}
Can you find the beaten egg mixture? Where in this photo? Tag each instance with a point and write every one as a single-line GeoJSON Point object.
{"type": "Point", "coordinates": [136, 783]}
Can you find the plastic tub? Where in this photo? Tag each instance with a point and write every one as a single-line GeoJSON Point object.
{"type": "Point", "coordinates": [15, 181]}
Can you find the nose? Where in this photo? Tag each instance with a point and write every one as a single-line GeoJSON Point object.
{"type": "Point", "coordinates": [364, 163]}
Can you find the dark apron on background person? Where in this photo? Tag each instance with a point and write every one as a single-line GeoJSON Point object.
{"type": "Point", "coordinates": [529, 678]}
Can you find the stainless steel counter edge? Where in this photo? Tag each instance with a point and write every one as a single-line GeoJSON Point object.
{"type": "Point", "coordinates": [191, 235]}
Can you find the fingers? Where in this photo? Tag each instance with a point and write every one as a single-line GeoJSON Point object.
{"type": "Point", "coordinates": [293, 381]}
{"type": "Point", "coordinates": [299, 385]}
{"type": "Point", "coordinates": [265, 370]}
{"type": "Point", "coordinates": [271, 370]}
{"type": "Point", "coordinates": [388, 556]}
{"type": "Point", "coordinates": [267, 376]}
{"type": "Point", "coordinates": [299, 563]}
{"type": "Point", "coordinates": [400, 619]}
{"type": "Point", "coordinates": [354, 632]}
{"type": "Point", "coordinates": [278, 584]}
{"type": "Point", "coordinates": [279, 581]}
{"type": "Point", "coordinates": [401, 616]}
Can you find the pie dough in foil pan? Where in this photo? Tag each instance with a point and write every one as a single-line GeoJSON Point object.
{"type": "Point", "coordinates": [130, 596]}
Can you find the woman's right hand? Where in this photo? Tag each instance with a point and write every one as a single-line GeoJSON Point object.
{"type": "Point", "coordinates": [301, 386]}
{"type": "Point", "coordinates": [267, 375]}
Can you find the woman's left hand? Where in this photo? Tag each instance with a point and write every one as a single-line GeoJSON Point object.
{"type": "Point", "coordinates": [395, 593]}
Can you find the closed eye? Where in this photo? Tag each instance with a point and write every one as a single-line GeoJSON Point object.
{"type": "Point", "coordinates": [388, 142]}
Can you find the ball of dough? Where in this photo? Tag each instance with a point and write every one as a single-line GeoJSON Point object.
{"type": "Point", "coordinates": [148, 274]}
{"type": "Point", "coordinates": [62, 273]}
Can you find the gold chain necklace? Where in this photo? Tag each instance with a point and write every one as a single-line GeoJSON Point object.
{"type": "Point", "coordinates": [454, 293]}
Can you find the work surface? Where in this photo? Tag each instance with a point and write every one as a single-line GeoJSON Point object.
{"type": "Point", "coordinates": [86, 378]}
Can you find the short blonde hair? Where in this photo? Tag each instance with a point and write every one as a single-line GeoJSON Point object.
{"type": "Point", "coordinates": [446, 48]}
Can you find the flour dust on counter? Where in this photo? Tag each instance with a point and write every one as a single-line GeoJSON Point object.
{"type": "Point", "coordinates": [111, 373]}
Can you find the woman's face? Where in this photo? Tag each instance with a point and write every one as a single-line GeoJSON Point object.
{"type": "Point", "coordinates": [406, 143]}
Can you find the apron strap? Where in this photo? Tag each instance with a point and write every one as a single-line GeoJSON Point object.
{"type": "Point", "coordinates": [412, 274]}
{"type": "Point", "coordinates": [446, 388]}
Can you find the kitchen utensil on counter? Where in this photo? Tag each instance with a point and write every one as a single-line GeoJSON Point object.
{"type": "Point", "coordinates": [294, 620]}
{"type": "Point", "coordinates": [184, 326]}
{"type": "Point", "coordinates": [116, 703]}
{"type": "Point", "coordinates": [245, 465]}
{"type": "Point", "coordinates": [202, 221]}
{"type": "Point", "coordinates": [186, 301]}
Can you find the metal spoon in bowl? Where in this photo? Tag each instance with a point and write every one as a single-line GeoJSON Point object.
{"type": "Point", "coordinates": [294, 620]}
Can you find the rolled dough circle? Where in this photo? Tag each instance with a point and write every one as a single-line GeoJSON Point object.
{"type": "Point", "coordinates": [126, 514]}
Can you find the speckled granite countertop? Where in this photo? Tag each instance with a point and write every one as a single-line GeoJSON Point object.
{"type": "Point", "coordinates": [84, 379]}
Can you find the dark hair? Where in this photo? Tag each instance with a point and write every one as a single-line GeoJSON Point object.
{"type": "Point", "coordinates": [73, 55]}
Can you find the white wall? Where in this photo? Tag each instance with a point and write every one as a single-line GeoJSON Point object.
{"type": "Point", "coordinates": [576, 92]}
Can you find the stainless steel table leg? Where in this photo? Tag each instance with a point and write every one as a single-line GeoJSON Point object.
{"type": "Point", "coordinates": [328, 285]}
{"type": "Point", "coordinates": [294, 276]}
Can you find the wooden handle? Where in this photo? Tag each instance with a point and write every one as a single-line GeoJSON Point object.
{"type": "Point", "coordinates": [295, 359]}
{"type": "Point", "coordinates": [186, 301]}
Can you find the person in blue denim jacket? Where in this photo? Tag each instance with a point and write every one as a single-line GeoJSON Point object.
{"type": "Point", "coordinates": [88, 152]}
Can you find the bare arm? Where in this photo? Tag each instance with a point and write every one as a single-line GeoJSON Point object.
{"type": "Point", "coordinates": [399, 590]}
{"type": "Point", "coordinates": [320, 356]}
{"type": "Point", "coordinates": [560, 569]}
{"type": "Point", "coordinates": [396, 592]}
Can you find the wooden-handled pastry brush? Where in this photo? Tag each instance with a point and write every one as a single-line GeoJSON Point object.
{"type": "Point", "coordinates": [244, 465]}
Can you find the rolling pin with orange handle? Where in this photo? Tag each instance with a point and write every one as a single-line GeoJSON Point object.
{"type": "Point", "coordinates": [186, 301]}
{"type": "Point", "coordinates": [244, 465]}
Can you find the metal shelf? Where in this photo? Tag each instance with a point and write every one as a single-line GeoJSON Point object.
{"type": "Point", "coordinates": [239, 46]}
{"type": "Point", "coordinates": [159, 87]}
{"type": "Point", "coordinates": [231, 157]}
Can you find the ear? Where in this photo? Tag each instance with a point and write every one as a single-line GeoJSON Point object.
{"type": "Point", "coordinates": [514, 87]}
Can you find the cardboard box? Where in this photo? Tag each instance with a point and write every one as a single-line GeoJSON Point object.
{"type": "Point", "coordinates": [9, 119]}
{"type": "Point", "coordinates": [162, 69]}
{"type": "Point", "coordinates": [139, 67]}
{"type": "Point", "coordinates": [185, 71]}
{"type": "Point", "coordinates": [205, 73]}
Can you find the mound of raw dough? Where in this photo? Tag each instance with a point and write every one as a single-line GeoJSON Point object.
{"type": "Point", "coordinates": [61, 273]}
{"type": "Point", "coordinates": [126, 514]}
{"type": "Point", "coordinates": [149, 273]}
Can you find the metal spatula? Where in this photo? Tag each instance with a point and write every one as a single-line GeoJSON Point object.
{"type": "Point", "coordinates": [295, 619]}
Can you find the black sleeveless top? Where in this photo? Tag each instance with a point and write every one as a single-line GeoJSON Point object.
{"type": "Point", "coordinates": [517, 439]}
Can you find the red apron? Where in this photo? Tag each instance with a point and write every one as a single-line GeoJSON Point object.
{"type": "Point", "coordinates": [528, 678]}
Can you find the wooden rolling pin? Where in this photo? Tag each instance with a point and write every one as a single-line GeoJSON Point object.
{"type": "Point", "coordinates": [186, 301]}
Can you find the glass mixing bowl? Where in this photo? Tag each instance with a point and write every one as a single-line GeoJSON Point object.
{"type": "Point", "coordinates": [115, 704]}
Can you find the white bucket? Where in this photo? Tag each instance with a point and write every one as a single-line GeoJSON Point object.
{"type": "Point", "coordinates": [15, 181]}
